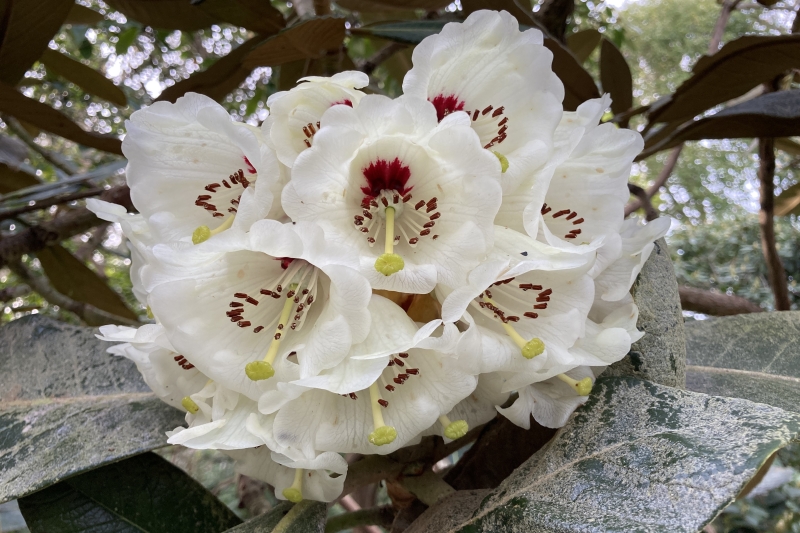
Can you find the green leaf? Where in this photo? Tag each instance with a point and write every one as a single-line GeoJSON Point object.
{"type": "Point", "coordinates": [29, 27]}
{"type": "Point", "coordinates": [583, 43]}
{"type": "Point", "coordinates": [68, 406]}
{"type": "Point", "coordinates": [85, 77]}
{"type": "Point", "coordinates": [637, 457]}
{"type": "Point", "coordinates": [739, 66]}
{"type": "Point", "coordinates": [144, 493]}
{"type": "Point", "coordinates": [80, 15]}
{"type": "Point", "coordinates": [379, 6]}
{"type": "Point", "coordinates": [615, 77]}
{"type": "Point", "coordinates": [769, 115]}
{"type": "Point", "coordinates": [408, 32]}
{"type": "Point", "coordinates": [305, 517]}
{"type": "Point", "coordinates": [126, 39]}
{"type": "Point", "coordinates": [754, 356]}
{"type": "Point", "coordinates": [312, 38]}
{"type": "Point", "coordinates": [659, 356]}
{"type": "Point", "coordinates": [73, 278]}
{"type": "Point", "coordinates": [12, 180]}
{"type": "Point", "coordinates": [45, 117]}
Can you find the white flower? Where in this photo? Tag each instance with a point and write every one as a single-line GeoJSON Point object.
{"type": "Point", "coordinates": [294, 479]}
{"type": "Point", "coordinates": [168, 374]}
{"type": "Point", "coordinates": [414, 390]}
{"type": "Point", "coordinates": [412, 198]}
{"type": "Point", "coordinates": [294, 116]}
{"type": "Point", "coordinates": [550, 402]}
{"type": "Point", "coordinates": [501, 78]}
{"type": "Point", "coordinates": [189, 164]}
{"type": "Point", "coordinates": [239, 314]}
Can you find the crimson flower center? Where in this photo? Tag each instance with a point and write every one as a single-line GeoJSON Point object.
{"type": "Point", "coordinates": [446, 104]}
{"type": "Point", "coordinates": [384, 175]}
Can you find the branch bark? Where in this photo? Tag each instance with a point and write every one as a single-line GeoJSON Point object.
{"type": "Point", "coordinates": [715, 303]}
{"type": "Point", "coordinates": [54, 158]}
{"type": "Point", "coordinates": [376, 516]}
{"type": "Point", "coordinates": [775, 271]}
{"type": "Point", "coordinates": [728, 7]}
{"type": "Point", "coordinates": [88, 313]}
{"type": "Point", "coordinates": [77, 221]}
{"type": "Point", "coordinates": [380, 56]}
{"type": "Point", "coordinates": [661, 179]}
{"type": "Point", "coordinates": [44, 204]}
{"type": "Point", "coordinates": [554, 14]}
{"type": "Point", "coordinates": [644, 200]}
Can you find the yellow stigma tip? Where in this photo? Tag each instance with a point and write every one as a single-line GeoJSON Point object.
{"type": "Point", "coordinates": [388, 264]}
{"type": "Point", "coordinates": [503, 161]}
{"type": "Point", "coordinates": [584, 386]}
{"type": "Point", "coordinates": [533, 348]}
{"type": "Point", "coordinates": [201, 234]}
{"type": "Point", "coordinates": [456, 430]}
{"type": "Point", "coordinates": [383, 435]}
{"type": "Point", "coordinates": [258, 370]}
{"type": "Point", "coordinates": [189, 405]}
{"type": "Point", "coordinates": [293, 495]}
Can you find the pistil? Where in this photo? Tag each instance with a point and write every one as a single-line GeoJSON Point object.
{"type": "Point", "coordinates": [190, 405]}
{"type": "Point", "coordinates": [203, 233]}
{"type": "Point", "coordinates": [453, 430]}
{"type": "Point", "coordinates": [259, 370]}
{"type": "Point", "coordinates": [382, 434]}
{"type": "Point", "coordinates": [295, 493]}
{"type": "Point", "coordinates": [582, 387]}
{"type": "Point", "coordinates": [529, 348]}
{"type": "Point", "coordinates": [389, 263]}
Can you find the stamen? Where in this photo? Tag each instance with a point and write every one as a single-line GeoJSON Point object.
{"type": "Point", "coordinates": [389, 263]}
{"type": "Point", "coordinates": [295, 493]}
{"type": "Point", "coordinates": [454, 430]}
{"type": "Point", "coordinates": [383, 434]}
{"type": "Point", "coordinates": [259, 370]}
{"type": "Point", "coordinates": [190, 405]}
{"type": "Point", "coordinates": [582, 387]}
{"type": "Point", "coordinates": [203, 233]}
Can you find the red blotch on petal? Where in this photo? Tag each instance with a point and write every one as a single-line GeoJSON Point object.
{"type": "Point", "coordinates": [446, 104]}
{"type": "Point", "coordinates": [385, 175]}
{"type": "Point", "coordinates": [343, 102]}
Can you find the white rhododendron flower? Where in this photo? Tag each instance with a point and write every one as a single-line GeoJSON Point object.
{"type": "Point", "coordinates": [412, 198]}
{"type": "Point", "coordinates": [362, 272]}
{"type": "Point", "coordinates": [294, 116]}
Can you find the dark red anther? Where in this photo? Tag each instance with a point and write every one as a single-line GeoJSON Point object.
{"type": "Point", "coordinates": [383, 403]}
{"type": "Point", "coordinates": [244, 323]}
{"type": "Point", "coordinates": [413, 371]}
{"type": "Point", "coordinates": [258, 329]}
{"type": "Point", "coordinates": [531, 315]}
{"type": "Point", "coordinates": [498, 111]}
{"type": "Point", "coordinates": [390, 388]}
{"type": "Point", "coordinates": [561, 213]}
{"type": "Point", "coordinates": [540, 306]}
{"type": "Point", "coordinates": [576, 222]}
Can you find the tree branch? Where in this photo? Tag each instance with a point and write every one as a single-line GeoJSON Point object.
{"type": "Point", "coordinates": [375, 516]}
{"type": "Point", "coordinates": [775, 271]}
{"type": "Point", "coordinates": [77, 221]}
{"type": "Point", "coordinates": [12, 292]}
{"type": "Point", "coordinates": [728, 7]}
{"type": "Point", "coordinates": [54, 158]}
{"type": "Point", "coordinates": [44, 204]}
{"type": "Point", "coordinates": [644, 200]}
{"type": "Point", "coordinates": [554, 14]}
{"type": "Point", "coordinates": [88, 313]}
{"type": "Point", "coordinates": [322, 7]}
{"type": "Point", "coordinates": [715, 303]}
{"type": "Point", "coordinates": [429, 488]}
{"type": "Point", "coordinates": [380, 56]}
{"type": "Point", "coordinates": [661, 179]}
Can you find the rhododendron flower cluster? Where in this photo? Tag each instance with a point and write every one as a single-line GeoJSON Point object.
{"type": "Point", "coordinates": [360, 272]}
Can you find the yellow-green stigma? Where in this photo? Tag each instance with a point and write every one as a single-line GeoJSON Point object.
{"type": "Point", "coordinates": [389, 263]}
{"type": "Point", "coordinates": [383, 435]}
{"type": "Point", "coordinates": [454, 430]}
{"type": "Point", "coordinates": [503, 161]}
{"type": "Point", "coordinates": [532, 348]}
{"type": "Point", "coordinates": [203, 233]}
{"type": "Point", "coordinates": [259, 370]}
{"type": "Point", "coordinates": [582, 387]}
{"type": "Point", "coordinates": [189, 405]}
{"type": "Point", "coordinates": [295, 493]}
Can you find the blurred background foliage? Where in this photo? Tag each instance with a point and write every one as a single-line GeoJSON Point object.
{"type": "Point", "coordinates": [108, 59]}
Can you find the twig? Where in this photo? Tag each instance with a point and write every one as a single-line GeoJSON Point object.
{"type": "Point", "coordinates": [87, 312]}
{"type": "Point", "coordinates": [641, 194]}
{"type": "Point", "coordinates": [44, 204]}
{"type": "Point", "coordinates": [55, 159]}
{"type": "Point", "coordinates": [13, 292]}
{"type": "Point", "coordinates": [728, 7]}
{"type": "Point", "coordinates": [715, 303]}
{"type": "Point", "coordinates": [380, 56]}
{"type": "Point", "coordinates": [102, 172]}
{"type": "Point", "coordinates": [367, 519]}
{"type": "Point", "coordinates": [351, 505]}
{"type": "Point", "coordinates": [371, 469]}
{"type": "Point", "coordinates": [251, 495]}
{"type": "Point", "coordinates": [661, 179]}
{"type": "Point", "coordinates": [77, 221]}
{"type": "Point", "coordinates": [428, 488]}
{"type": "Point", "coordinates": [766, 222]}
